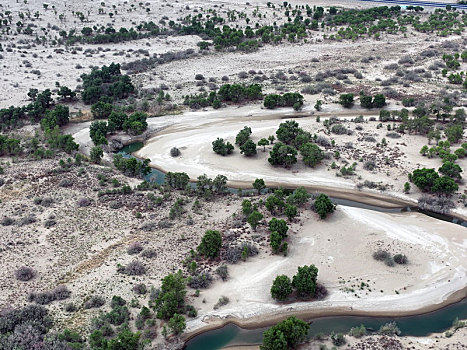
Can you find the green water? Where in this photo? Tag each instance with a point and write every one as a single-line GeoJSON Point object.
{"type": "Point", "coordinates": [132, 147]}
{"type": "Point", "coordinates": [421, 325]}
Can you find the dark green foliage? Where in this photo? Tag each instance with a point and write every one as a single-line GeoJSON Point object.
{"type": "Point", "coordinates": [283, 155]}
{"type": "Point", "coordinates": [285, 335]}
{"type": "Point", "coordinates": [324, 206]}
{"type": "Point", "coordinates": [289, 99]}
{"type": "Point", "coordinates": [177, 181]}
{"type": "Point", "coordinates": [239, 93]}
{"type": "Point", "coordinates": [96, 154]}
{"type": "Point", "coordinates": [136, 123]}
{"type": "Point", "coordinates": [275, 241]}
{"type": "Point", "coordinates": [311, 154]}
{"type": "Point", "coordinates": [299, 197]}
{"type": "Point", "coordinates": [177, 323]}
{"type": "Point", "coordinates": [171, 297]}
{"type": "Point", "coordinates": [400, 259]}
{"type": "Point", "coordinates": [259, 185]}
{"type": "Point", "coordinates": [210, 244]}
{"type": "Point", "coordinates": [454, 133]}
{"type": "Point", "coordinates": [424, 178]}
{"type": "Point", "coordinates": [281, 288]}
{"type": "Point", "coordinates": [337, 339]}
{"type": "Point", "coordinates": [66, 93]}
{"type": "Point", "coordinates": [247, 208]}
{"type": "Point", "coordinates": [278, 225]}
{"type": "Point", "coordinates": [10, 146]}
{"type": "Point", "coordinates": [288, 131]}
{"type": "Point", "coordinates": [243, 136]}
{"type": "Point", "coordinates": [116, 121]}
{"type": "Point", "coordinates": [263, 143]}
{"type": "Point", "coordinates": [98, 131]}
{"type": "Point", "coordinates": [290, 211]}
{"type": "Point", "coordinates": [378, 101]}
{"type": "Point", "coordinates": [450, 169]}
{"type": "Point", "coordinates": [346, 100]}
{"type": "Point", "coordinates": [221, 147]}
{"type": "Point", "coordinates": [101, 110]}
{"type": "Point", "coordinates": [254, 219]}
{"type": "Point", "coordinates": [274, 204]}
{"type": "Point", "coordinates": [444, 186]}
{"type": "Point", "coordinates": [132, 166]}
{"type": "Point", "coordinates": [107, 81]}
{"type": "Point", "coordinates": [248, 148]}
{"type": "Point", "coordinates": [305, 280]}
{"type": "Point", "coordinates": [60, 116]}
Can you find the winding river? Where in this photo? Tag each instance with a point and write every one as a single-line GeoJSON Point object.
{"type": "Point", "coordinates": [419, 325]}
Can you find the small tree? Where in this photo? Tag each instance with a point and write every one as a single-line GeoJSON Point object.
{"type": "Point", "coordinates": [254, 219]}
{"type": "Point", "coordinates": [210, 244]}
{"type": "Point", "coordinates": [96, 154]}
{"type": "Point", "coordinates": [290, 211]}
{"type": "Point", "coordinates": [406, 187]}
{"type": "Point", "coordinates": [247, 208]}
{"type": "Point", "coordinates": [275, 240]}
{"type": "Point", "coordinates": [324, 206]}
{"type": "Point", "coordinates": [281, 287]}
{"type": "Point", "coordinates": [177, 324]}
{"type": "Point", "coordinates": [285, 335]}
{"type": "Point", "coordinates": [259, 185]}
{"type": "Point", "coordinates": [278, 225]}
{"type": "Point", "coordinates": [312, 154]}
{"type": "Point", "coordinates": [282, 154]}
{"type": "Point", "coordinates": [221, 147]}
{"type": "Point", "coordinates": [305, 280]}
{"type": "Point", "coordinates": [248, 148]}
{"type": "Point", "coordinates": [346, 100]}
{"type": "Point", "coordinates": [263, 143]}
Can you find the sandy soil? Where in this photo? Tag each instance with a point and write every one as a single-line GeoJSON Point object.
{"type": "Point", "coordinates": [341, 247]}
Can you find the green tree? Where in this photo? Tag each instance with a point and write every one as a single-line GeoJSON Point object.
{"type": "Point", "coordinates": [454, 133]}
{"type": "Point", "coordinates": [346, 100]}
{"type": "Point", "coordinates": [288, 131]}
{"type": "Point", "coordinates": [171, 297]}
{"type": "Point", "coordinates": [324, 206]}
{"type": "Point", "coordinates": [444, 185]}
{"type": "Point", "coordinates": [101, 110]}
{"type": "Point", "coordinates": [311, 154]}
{"type": "Point", "coordinates": [275, 240]}
{"type": "Point", "coordinates": [243, 136]}
{"type": "Point", "coordinates": [379, 101]}
{"type": "Point", "coordinates": [424, 178]}
{"type": "Point", "coordinates": [248, 148]}
{"type": "Point", "coordinates": [278, 225]}
{"type": "Point", "coordinates": [125, 340]}
{"type": "Point", "coordinates": [96, 154]}
{"type": "Point", "coordinates": [274, 204]}
{"type": "Point", "coordinates": [281, 287]}
{"type": "Point", "coordinates": [259, 185]}
{"type": "Point", "coordinates": [221, 147]}
{"type": "Point", "coordinates": [210, 244]}
{"type": "Point", "coordinates": [247, 208]}
{"type": "Point", "coordinates": [285, 335]}
{"type": "Point", "coordinates": [282, 154]}
{"type": "Point", "coordinates": [406, 187]}
{"type": "Point", "coordinates": [263, 143]}
{"type": "Point", "coordinates": [290, 211]}
{"type": "Point", "coordinates": [116, 121]}
{"type": "Point", "coordinates": [98, 132]}
{"type": "Point", "coordinates": [299, 197]}
{"type": "Point", "coordinates": [254, 219]}
{"type": "Point", "coordinates": [451, 169]}
{"type": "Point", "coordinates": [177, 324]}
{"type": "Point", "coordinates": [305, 280]}
{"type": "Point", "coordinates": [136, 123]}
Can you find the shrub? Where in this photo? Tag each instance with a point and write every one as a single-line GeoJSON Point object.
{"type": "Point", "coordinates": [389, 329]}
{"type": "Point", "coordinates": [285, 335]}
{"type": "Point", "coordinates": [339, 129]}
{"type": "Point", "coordinates": [337, 339]}
{"type": "Point", "coordinates": [95, 301]}
{"type": "Point", "coordinates": [83, 202]}
{"type": "Point", "coordinates": [174, 152]}
{"type": "Point", "coordinates": [44, 298]}
{"type": "Point", "coordinates": [25, 273]}
{"type": "Point", "coordinates": [400, 259]}
{"type": "Point", "coordinates": [202, 280]}
{"type": "Point", "coordinates": [223, 300]}
{"type": "Point", "coordinates": [389, 261]}
{"type": "Point", "coordinates": [135, 268]}
{"type": "Point", "coordinates": [149, 253]}
{"type": "Point", "coordinates": [393, 135]}
{"type": "Point", "coordinates": [134, 248]}
{"type": "Point", "coordinates": [369, 165]}
{"type": "Point", "coordinates": [223, 272]}
{"type": "Point", "coordinates": [140, 289]}
{"type": "Point", "coordinates": [381, 255]}
{"type": "Point", "coordinates": [320, 292]}
{"type": "Point", "coordinates": [323, 206]}
{"type": "Point", "coordinates": [304, 281]}
{"type": "Point", "coordinates": [210, 244]}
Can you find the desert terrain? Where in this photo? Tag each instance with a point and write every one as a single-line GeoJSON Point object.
{"type": "Point", "coordinates": [79, 230]}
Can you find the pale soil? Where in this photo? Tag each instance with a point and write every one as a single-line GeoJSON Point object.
{"type": "Point", "coordinates": [194, 134]}
{"type": "Point", "coordinates": [342, 247]}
